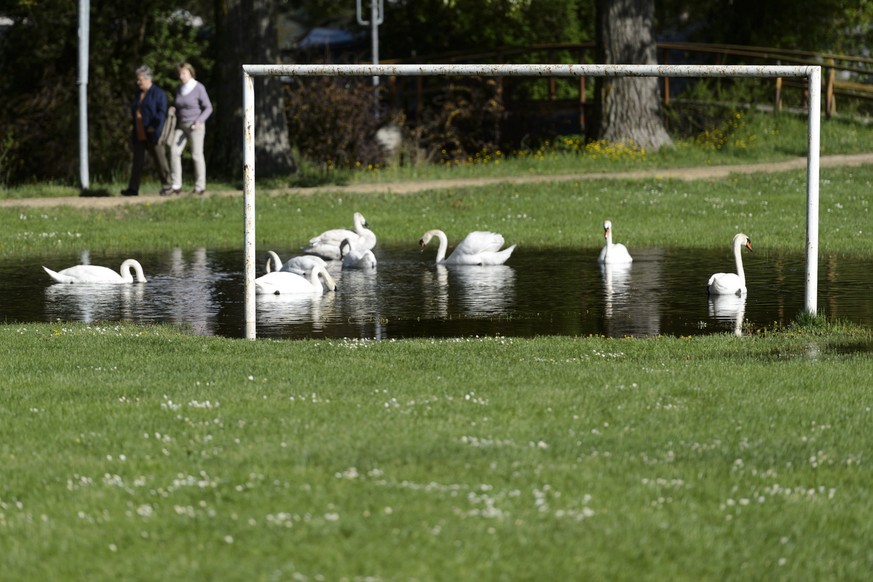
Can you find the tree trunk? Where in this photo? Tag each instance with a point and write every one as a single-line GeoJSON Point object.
{"type": "Point", "coordinates": [628, 109]}
{"type": "Point", "coordinates": [246, 34]}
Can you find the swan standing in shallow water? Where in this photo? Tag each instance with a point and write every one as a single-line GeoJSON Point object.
{"type": "Point", "coordinates": [612, 253]}
{"type": "Point", "coordinates": [327, 244]}
{"type": "Point", "coordinates": [732, 283]}
{"type": "Point", "coordinates": [478, 248]}
{"type": "Point", "coordinates": [301, 265]}
{"type": "Point", "coordinates": [355, 258]}
{"type": "Point", "coordinates": [285, 283]}
{"type": "Point", "coordinates": [95, 274]}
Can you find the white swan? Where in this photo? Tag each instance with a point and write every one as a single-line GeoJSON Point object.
{"type": "Point", "coordinates": [285, 283]}
{"type": "Point", "coordinates": [96, 274]}
{"type": "Point", "coordinates": [355, 258]}
{"type": "Point", "coordinates": [732, 283]}
{"type": "Point", "coordinates": [478, 248]}
{"type": "Point", "coordinates": [327, 244]}
{"type": "Point", "coordinates": [612, 253]}
{"type": "Point", "coordinates": [301, 265]}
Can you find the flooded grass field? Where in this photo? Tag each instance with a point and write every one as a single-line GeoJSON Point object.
{"type": "Point", "coordinates": [538, 292]}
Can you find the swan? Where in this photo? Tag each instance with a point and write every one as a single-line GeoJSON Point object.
{"type": "Point", "coordinates": [355, 258]}
{"type": "Point", "coordinates": [285, 283]}
{"type": "Point", "coordinates": [478, 248]}
{"type": "Point", "coordinates": [732, 283]}
{"type": "Point", "coordinates": [301, 265]}
{"type": "Point", "coordinates": [327, 244]}
{"type": "Point", "coordinates": [96, 274]}
{"type": "Point", "coordinates": [612, 253]}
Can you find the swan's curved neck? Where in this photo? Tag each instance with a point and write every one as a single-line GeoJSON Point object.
{"type": "Point", "coordinates": [359, 224]}
{"type": "Point", "coordinates": [125, 271]}
{"type": "Point", "coordinates": [273, 261]}
{"type": "Point", "coordinates": [314, 280]}
{"type": "Point", "coordinates": [738, 256]}
{"type": "Point", "coordinates": [444, 245]}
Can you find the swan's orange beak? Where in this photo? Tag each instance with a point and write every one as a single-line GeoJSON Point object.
{"type": "Point", "coordinates": [421, 244]}
{"type": "Point", "coordinates": [605, 232]}
{"type": "Point", "coordinates": [749, 245]}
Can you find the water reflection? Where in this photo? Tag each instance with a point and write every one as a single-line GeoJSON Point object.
{"type": "Point", "coordinates": [730, 309]}
{"type": "Point", "coordinates": [435, 291]}
{"type": "Point", "coordinates": [484, 290]}
{"type": "Point", "coordinates": [283, 310]}
{"type": "Point", "coordinates": [540, 292]}
{"type": "Point", "coordinates": [91, 303]}
{"type": "Point", "coordinates": [616, 287]}
{"type": "Point", "coordinates": [632, 295]}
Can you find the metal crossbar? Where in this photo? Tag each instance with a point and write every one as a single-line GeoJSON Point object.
{"type": "Point", "coordinates": [811, 73]}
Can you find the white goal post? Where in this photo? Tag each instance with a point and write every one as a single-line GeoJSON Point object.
{"type": "Point", "coordinates": [811, 73]}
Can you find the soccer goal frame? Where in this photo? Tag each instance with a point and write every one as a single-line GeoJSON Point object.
{"type": "Point", "coordinates": [811, 73]}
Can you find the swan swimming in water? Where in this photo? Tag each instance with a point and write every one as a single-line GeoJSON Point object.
{"type": "Point", "coordinates": [285, 283]}
{"type": "Point", "coordinates": [327, 244]}
{"type": "Point", "coordinates": [478, 248]}
{"type": "Point", "coordinates": [96, 274]}
{"type": "Point", "coordinates": [612, 253]}
{"type": "Point", "coordinates": [732, 283]}
{"type": "Point", "coordinates": [301, 265]}
{"type": "Point", "coordinates": [355, 258]}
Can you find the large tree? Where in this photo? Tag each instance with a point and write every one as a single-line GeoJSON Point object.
{"type": "Point", "coordinates": [628, 109]}
{"type": "Point", "coordinates": [246, 34]}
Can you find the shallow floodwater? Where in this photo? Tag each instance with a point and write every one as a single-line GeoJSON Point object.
{"type": "Point", "coordinates": [539, 292]}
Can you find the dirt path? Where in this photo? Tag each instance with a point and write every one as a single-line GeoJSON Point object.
{"type": "Point", "coordinates": [409, 187]}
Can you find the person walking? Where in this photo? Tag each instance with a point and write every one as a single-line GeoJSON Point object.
{"type": "Point", "coordinates": [149, 112]}
{"type": "Point", "coordinates": [193, 108]}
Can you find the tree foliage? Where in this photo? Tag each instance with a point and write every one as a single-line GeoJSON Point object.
{"type": "Point", "coordinates": [39, 56]}
{"type": "Point", "coordinates": [38, 62]}
{"type": "Point", "coordinates": [812, 25]}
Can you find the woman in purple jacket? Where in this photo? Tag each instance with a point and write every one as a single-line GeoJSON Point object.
{"type": "Point", "coordinates": [149, 112]}
{"type": "Point", "coordinates": [192, 110]}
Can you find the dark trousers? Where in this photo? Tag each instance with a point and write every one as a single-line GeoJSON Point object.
{"type": "Point", "coordinates": [158, 154]}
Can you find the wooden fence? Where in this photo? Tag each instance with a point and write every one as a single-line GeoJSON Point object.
{"type": "Point", "coordinates": [842, 75]}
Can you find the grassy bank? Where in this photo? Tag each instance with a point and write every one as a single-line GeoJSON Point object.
{"type": "Point", "coordinates": [150, 453]}
{"type": "Point", "coordinates": [145, 453]}
{"type": "Point", "coordinates": [771, 208]}
{"type": "Point", "coordinates": [743, 137]}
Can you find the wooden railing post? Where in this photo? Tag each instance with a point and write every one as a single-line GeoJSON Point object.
{"type": "Point", "coordinates": [830, 98]}
{"type": "Point", "coordinates": [665, 58]}
{"type": "Point", "coordinates": [777, 99]}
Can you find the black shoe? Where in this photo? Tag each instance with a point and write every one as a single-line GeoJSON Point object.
{"type": "Point", "coordinates": [166, 190]}
{"type": "Point", "coordinates": [198, 192]}
{"type": "Point", "coordinates": [129, 192]}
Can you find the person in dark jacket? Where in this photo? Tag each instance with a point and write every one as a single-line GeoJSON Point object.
{"type": "Point", "coordinates": [149, 112]}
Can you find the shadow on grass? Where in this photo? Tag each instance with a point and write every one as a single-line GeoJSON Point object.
{"type": "Point", "coordinates": [94, 193]}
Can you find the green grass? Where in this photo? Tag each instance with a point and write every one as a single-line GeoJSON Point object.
{"type": "Point", "coordinates": [770, 208]}
{"type": "Point", "coordinates": [131, 452]}
{"type": "Point", "coordinates": [744, 137]}
{"type": "Point", "coordinates": [143, 453]}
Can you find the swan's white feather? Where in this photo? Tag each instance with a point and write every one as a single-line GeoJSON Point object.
{"type": "Point", "coordinates": [612, 254]}
{"type": "Point", "coordinates": [90, 274]}
{"type": "Point", "coordinates": [326, 244]}
{"type": "Point", "coordinates": [731, 283]}
{"type": "Point", "coordinates": [477, 248]}
{"type": "Point", "coordinates": [287, 283]}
